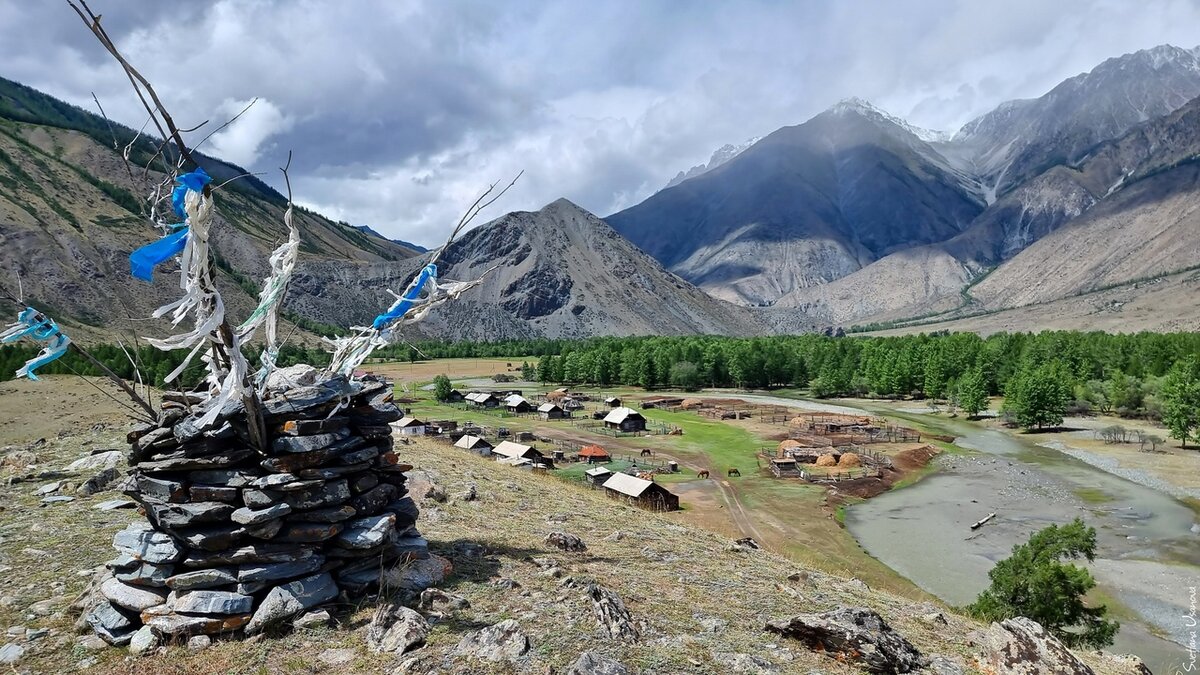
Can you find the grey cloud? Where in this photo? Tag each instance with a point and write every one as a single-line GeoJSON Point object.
{"type": "Point", "coordinates": [400, 112]}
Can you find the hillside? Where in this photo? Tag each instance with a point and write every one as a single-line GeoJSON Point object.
{"type": "Point", "coordinates": [565, 273]}
{"type": "Point", "coordinates": [699, 605]}
{"type": "Point", "coordinates": [70, 215]}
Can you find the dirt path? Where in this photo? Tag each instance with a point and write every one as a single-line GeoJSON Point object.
{"type": "Point", "coordinates": [737, 511]}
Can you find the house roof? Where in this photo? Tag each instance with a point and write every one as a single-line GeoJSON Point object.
{"type": "Point", "coordinates": [468, 442]}
{"type": "Point", "coordinates": [598, 471]}
{"type": "Point", "coordinates": [618, 415]}
{"type": "Point", "coordinates": [409, 422]}
{"type": "Point", "coordinates": [548, 407]}
{"type": "Point", "coordinates": [593, 451]}
{"type": "Point", "coordinates": [510, 449]}
{"type": "Point", "coordinates": [627, 485]}
{"type": "Point", "coordinates": [612, 399]}
{"type": "Point", "coordinates": [515, 461]}
{"type": "Point", "coordinates": [513, 400]}
{"type": "Point", "coordinates": [480, 396]}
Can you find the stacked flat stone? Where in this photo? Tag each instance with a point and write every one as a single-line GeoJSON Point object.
{"type": "Point", "coordinates": [237, 540]}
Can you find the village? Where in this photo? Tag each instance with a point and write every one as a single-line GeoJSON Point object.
{"type": "Point", "coordinates": [662, 451]}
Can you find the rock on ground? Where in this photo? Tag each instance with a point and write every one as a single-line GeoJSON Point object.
{"type": "Point", "coordinates": [611, 613]}
{"type": "Point", "coordinates": [501, 642]}
{"type": "Point", "coordinates": [591, 663]}
{"type": "Point", "coordinates": [1021, 646]}
{"type": "Point", "coordinates": [397, 629]}
{"type": "Point", "coordinates": [143, 641]}
{"type": "Point", "coordinates": [566, 541]}
{"type": "Point", "coordinates": [198, 643]}
{"type": "Point", "coordinates": [11, 653]}
{"type": "Point", "coordinates": [853, 633]}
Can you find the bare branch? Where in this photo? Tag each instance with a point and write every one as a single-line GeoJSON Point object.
{"type": "Point", "coordinates": [227, 123]}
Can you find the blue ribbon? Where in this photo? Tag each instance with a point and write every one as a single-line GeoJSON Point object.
{"type": "Point", "coordinates": [143, 261]}
{"type": "Point", "coordinates": [40, 328]}
{"type": "Point", "coordinates": [194, 181]}
{"type": "Point", "coordinates": [401, 308]}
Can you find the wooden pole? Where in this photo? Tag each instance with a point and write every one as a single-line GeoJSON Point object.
{"type": "Point", "coordinates": [116, 379]}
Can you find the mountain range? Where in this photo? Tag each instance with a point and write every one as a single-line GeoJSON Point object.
{"type": "Point", "coordinates": [857, 216]}
{"type": "Point", "coordinates": [853, 217]}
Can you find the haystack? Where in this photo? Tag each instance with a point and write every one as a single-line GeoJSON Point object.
{"type": "Point", "coordinates": [689, 403]}
{"type": "Point", "coordinates": [788, 444]}
{"type": "Point", "coordinates": [850, 459]}
{"type": "Point", "coordinates": [556, 395]}
{"type": "Point", "coordinates": [827, 460]}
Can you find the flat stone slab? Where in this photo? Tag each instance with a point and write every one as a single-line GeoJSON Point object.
{"type": "Point", "coordinates": [252, 554]}
{"type": "Point", "coordinates": [279, 570]}
{"type": "Point", "coordinates": [293, 444]}
{"type": "Point", "coordinates": [366, 533]}
{"type": "Point", "coordinates": [274, 479]}
{"type": "Point", "coordinates": [141, 542]}
{"type": "Point", "coordinates": [288, 600]}
{"type": "Point", "coordinates": [186, 515]}
{"type": "Point", "coordinates": [248, 516]}
{"type": "Point", "coordinates": [113, 625]}
{"type": "Point", "coordinates": [217, 461]}
{"type": "Point", "coordinates": [132, 597]}
{"type": "Point", "coordinates": [181, 625]}
{"type": "Point", "coordinates": [212, 602]}
{"type": "Point", "coordinates": [114, 504]}
{"type": "Point", "coordinates": [145, 574]}
{"type": "Point", "coordinates": [218, 576]}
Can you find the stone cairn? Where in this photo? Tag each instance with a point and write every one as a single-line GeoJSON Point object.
{"type": "Point", "coordinates": [238, 540]}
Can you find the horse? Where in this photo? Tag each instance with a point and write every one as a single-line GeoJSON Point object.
{"type": "Point", "coordinates": [647, 453]}
{"type": "Point", "coordinates": [734, 472]}
{"type": "Point", "coordinates": [702, 474]}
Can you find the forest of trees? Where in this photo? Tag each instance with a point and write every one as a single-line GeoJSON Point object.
{"type": "Point", "coordinates": [1044, 375]}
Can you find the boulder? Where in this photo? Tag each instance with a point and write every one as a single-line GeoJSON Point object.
{"type": "Point", "coordinates": [396, 629]}
{"type": "Point", "coordinates": [591, 663]}
{"type": "Point", "coordinates": [501, 642]}
{"type": "Point", "coordinates": [198, 643]}
{"type": "Point", "coordinates": [855, 634]}
{"type": "Point", "coordinates": [1021, 646]}
{"type": "Point", "coordinates": [418, 575]}
{"type": "Point", "coordinates": [432, 597]}
{"type": "Point", "coordinates": [315, 619]}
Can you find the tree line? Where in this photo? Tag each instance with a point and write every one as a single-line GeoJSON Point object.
{"type": "Point", "coordinates": [1043, 376]}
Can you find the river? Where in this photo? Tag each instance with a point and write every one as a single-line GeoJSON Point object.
{"type": "Point", "coordinates": [1148, 548]}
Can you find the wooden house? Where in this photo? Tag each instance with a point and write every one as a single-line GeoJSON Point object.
{"type": "Point", "coordinates": [508, 450]}
{"type": "Point", "coordinates": [551, 411]}
{"type": "Point", "coordinates": [625, 419]}
{"type": "Point", "coordinates": [594, 454]}
{"type": "Point", "coordinates": [409, 426]}
{"type": "Point", "coordinates": [597, 475]}
{"type": "Point", "coordinates": [474, 444]}
{"type": "Point", "coordinates": [482, 399]}
{"type": "Point", "coordinates": [515, 403]}
{"type": "Point", "coordinates": [455, 396]}
{"type": "Point", "coordinates": [644, 493]}
{"type": "Point", "coordinates": [612, 402]}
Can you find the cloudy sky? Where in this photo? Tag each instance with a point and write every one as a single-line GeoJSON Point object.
{"type": "Point", "coordinates": [400, 111]}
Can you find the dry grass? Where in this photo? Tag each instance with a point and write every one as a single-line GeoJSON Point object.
{"type": "Point", "coordinates": [697, 602]}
